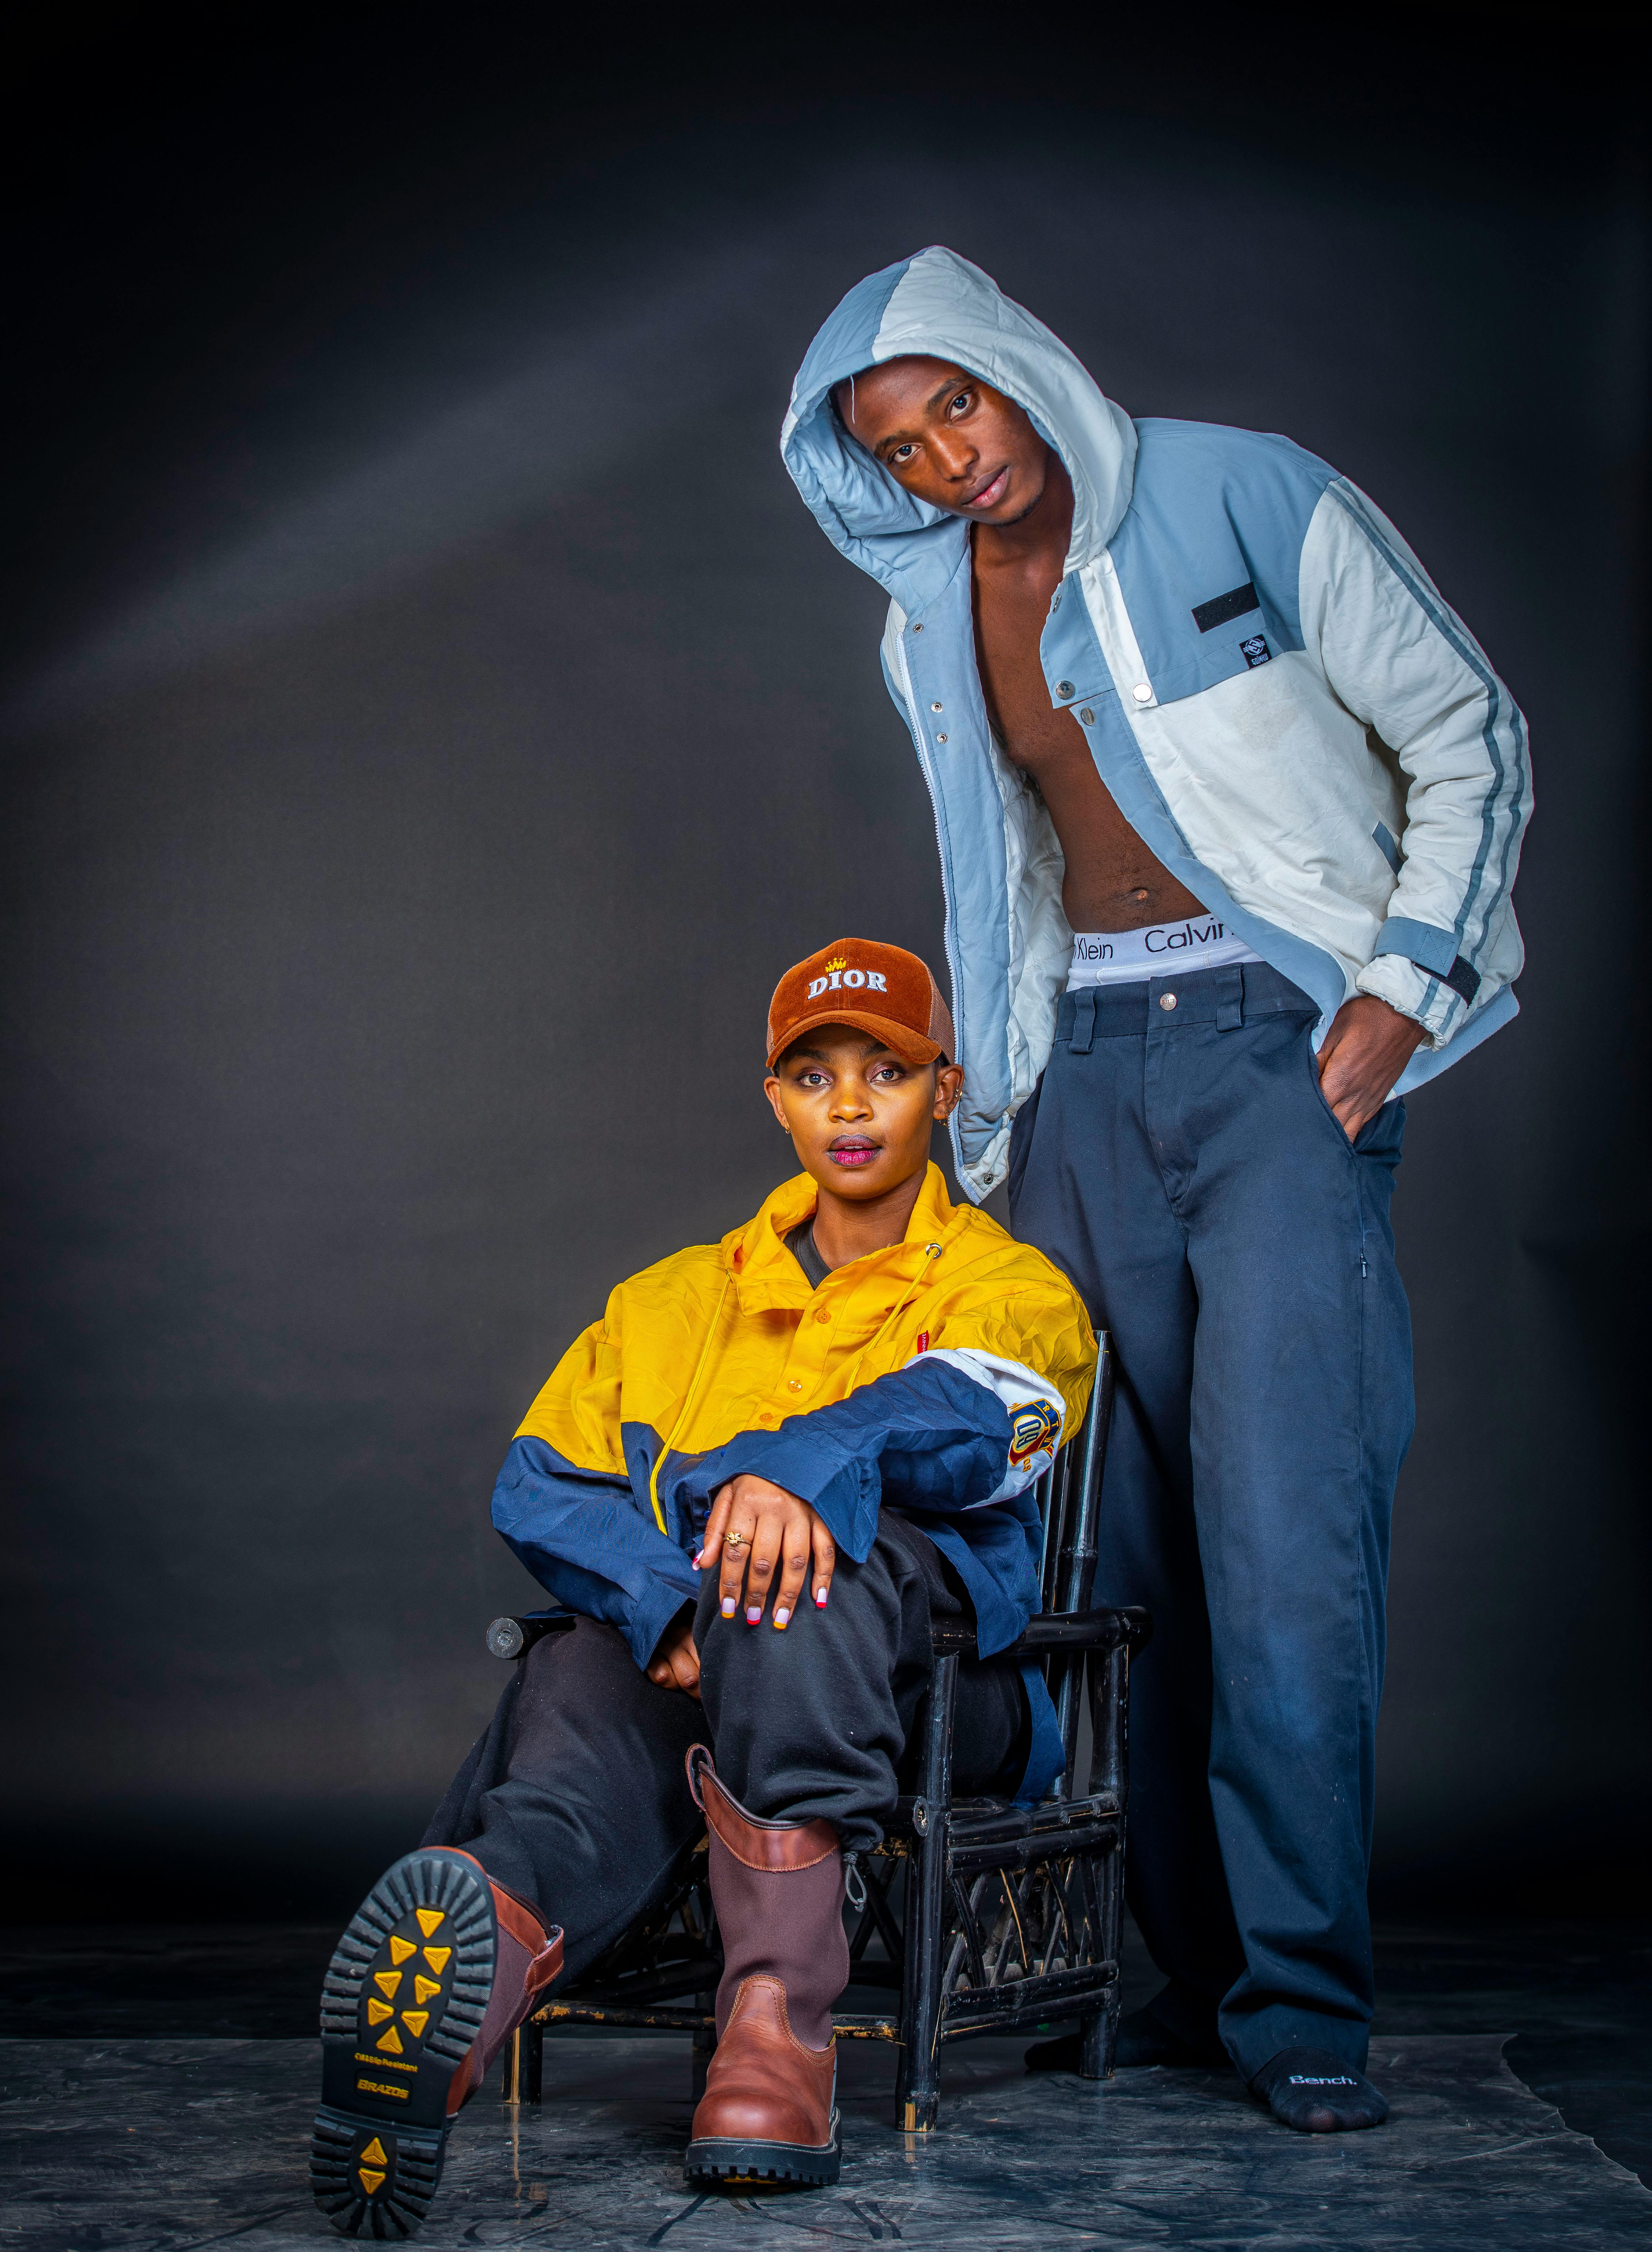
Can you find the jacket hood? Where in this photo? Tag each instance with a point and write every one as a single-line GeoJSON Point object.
{"type": "Point", "coordinates": [939, 304]}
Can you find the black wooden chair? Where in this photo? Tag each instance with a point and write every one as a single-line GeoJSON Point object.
{"type": "Point", "coordinates": [992, 1918]}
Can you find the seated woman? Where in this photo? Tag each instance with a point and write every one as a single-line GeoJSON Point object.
{"type": "Point", "coordinates": [757, 1479]}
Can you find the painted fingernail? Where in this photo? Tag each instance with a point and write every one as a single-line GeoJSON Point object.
{"type": "Point", "coordinates": [754, 1612]}
{"type": "Point", "coordinates": [728, 1606]}
{"type": "Point", "coordinates": [820, 1599]}
{"type": "Point", "coordinates": [781, 1618]}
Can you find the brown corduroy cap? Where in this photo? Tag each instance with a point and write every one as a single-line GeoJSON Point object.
{"type": "Point", "coordinates": [881, 989]}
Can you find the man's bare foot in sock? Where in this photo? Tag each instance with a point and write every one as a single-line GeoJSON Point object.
{"type": "Point", "coordinates": [1143, 2040]}
{"type": "Point", "coordinates": [1317, 2094]}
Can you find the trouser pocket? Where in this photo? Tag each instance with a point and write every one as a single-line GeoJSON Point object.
{"type": "Point", "coordinates": [1311, 1062]}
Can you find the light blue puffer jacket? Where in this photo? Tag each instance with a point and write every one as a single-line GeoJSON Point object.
{"type": "Point", "coordinates": [1281, 702]}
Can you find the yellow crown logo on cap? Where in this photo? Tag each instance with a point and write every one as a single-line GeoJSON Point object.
{"type": "Point", "coordinates": [837, 961]}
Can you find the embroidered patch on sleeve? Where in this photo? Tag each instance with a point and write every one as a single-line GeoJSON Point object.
{"type": "Point", "coordinates": [1035, 1426]}
{"type": "Point", "coordinates": [1255, 652]}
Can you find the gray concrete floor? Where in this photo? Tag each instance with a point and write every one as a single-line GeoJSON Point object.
{"type": "Point", "coordinates": [160, 2097]}
{"type": "Point", "coordinates": [174, 2146]}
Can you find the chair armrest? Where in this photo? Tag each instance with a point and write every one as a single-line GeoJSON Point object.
{"type": "Point", "coordinates": [1104, 1629]}
{"type": "Point", "coordinates": [510, 1637]}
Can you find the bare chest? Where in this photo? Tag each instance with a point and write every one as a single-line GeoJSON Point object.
{"type": "Point", "coordinates": [1112, 881]}
{"type": "Point", "coordinates": [1009, 623]}
{"type": "Point", "coordinates": [1040, 739]}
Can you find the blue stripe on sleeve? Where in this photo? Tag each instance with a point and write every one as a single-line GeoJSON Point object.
{"type": "Point", "coordinates": [1503, 791]}
{"type": "Point", "coordinates": [582, 1536]}
{"type": "Point", "coordinates": [928, 1436]}
{"type": "Point", "coordinates": [1424, 943]}
{"type": "Point", "coordinates": [928, 1439]}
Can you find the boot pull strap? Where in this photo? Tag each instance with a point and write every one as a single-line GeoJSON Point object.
{"type": "Point", "coordinates": [696, 1753]}
{"type": "Point", "coordinates": [780, 1847]}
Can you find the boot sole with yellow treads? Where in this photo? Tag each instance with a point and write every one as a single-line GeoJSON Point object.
{"type": "Point", "coordinates": [402, 2001]}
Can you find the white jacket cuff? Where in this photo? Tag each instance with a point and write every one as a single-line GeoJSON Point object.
{"type": "Point", "coordinates": [1415, 993]}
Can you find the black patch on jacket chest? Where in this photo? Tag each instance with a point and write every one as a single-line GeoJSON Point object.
{"type": "Point", "coordinates": [1223, 609]}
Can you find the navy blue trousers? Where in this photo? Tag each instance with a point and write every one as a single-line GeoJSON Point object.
{"type": "Point", "coordinates": [1180, 1162]}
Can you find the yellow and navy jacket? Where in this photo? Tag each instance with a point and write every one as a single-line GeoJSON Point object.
{"type": "Point", "coordinates": [938, 1376]}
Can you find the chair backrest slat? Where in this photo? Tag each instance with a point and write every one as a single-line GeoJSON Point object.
{"type": "Point", "coordinates": [1076, 1556]}
{"type": "Point", "coordinates": [1070, 1502]}
{"type": "Point", "coordinates": [1050, 1493]}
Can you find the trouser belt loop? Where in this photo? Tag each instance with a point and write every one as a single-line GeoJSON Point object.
{"type": "Point", "coordinates": [1083, 1020]}
{"type": "Point", "coordinates": [1230, 999]}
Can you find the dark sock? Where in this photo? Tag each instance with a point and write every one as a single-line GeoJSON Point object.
{"type": "Point", "coordinates": [1317, 2094]}
{"type": "Point", "coordinates": [1143, 2040]}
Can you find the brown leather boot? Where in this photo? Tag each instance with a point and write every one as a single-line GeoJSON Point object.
{"type": "Point", "coordinates": [439, 1967]}
{"type": "Point", "coordinates": [768, 2112]}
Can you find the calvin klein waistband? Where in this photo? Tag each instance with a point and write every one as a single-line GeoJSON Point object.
{"type": "Point", "coordinates": [1123, 957]}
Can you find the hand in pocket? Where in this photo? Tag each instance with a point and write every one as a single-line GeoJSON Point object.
{"type": "Point", "coordinates": [1367, 1047]}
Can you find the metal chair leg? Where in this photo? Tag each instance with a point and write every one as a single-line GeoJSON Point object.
{"type": "Point", "coordinates": [1109, 1770]}
{"type": "Point", "coordinates": [918, 2084]}
{"type": "Point", "coordinates": [522, 2079]}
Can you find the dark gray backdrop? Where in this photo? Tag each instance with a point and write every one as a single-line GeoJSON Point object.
{"type": "Point", "coordinates": [432, 721]}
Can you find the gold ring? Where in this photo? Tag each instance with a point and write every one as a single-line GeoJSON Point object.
{"type": "Point", "coordinates": [732, 1539]}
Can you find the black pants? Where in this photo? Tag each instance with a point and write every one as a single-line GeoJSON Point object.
{"type": "Point", "coordinates": [576, 1797]}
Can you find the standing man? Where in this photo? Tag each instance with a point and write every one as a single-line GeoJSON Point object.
{"type": "Point", "coordinates": [1229, 805]}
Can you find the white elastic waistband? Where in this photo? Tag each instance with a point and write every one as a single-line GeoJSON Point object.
{"type": "Point", "coordinates": [1124, 957]}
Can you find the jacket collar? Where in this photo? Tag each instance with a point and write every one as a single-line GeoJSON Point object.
{"type": "Point", "coordinates": [767, 1276]}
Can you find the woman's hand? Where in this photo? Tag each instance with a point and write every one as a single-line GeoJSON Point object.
{"type": "Point", "coordinates": [676, 1662]}
{"type": "Point", "coordinates": [754, 1526]}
